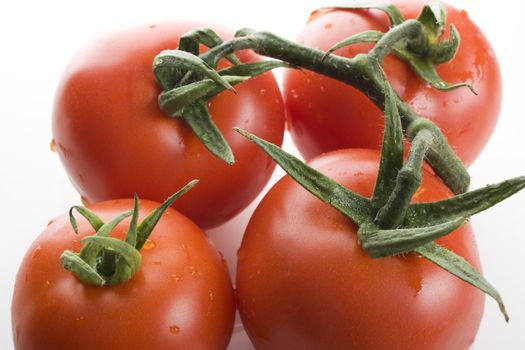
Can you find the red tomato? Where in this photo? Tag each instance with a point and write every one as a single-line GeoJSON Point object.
{"type": "Point", "coordinates": [303, 282]}
{"type": "Point", "coordinates": [180, 298]}
{"type": "Point", "coordinates": [114, 140]}
{"type": "Point", "coordinates": [325, 114]}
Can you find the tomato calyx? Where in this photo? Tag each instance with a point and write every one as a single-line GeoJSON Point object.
{"type": "Point", "coordinates": [389, 224]}
{"type": "Point", "coordinates": [188, 82]}
{"type": "Point", "coordinates": [423, 52]}
{"type": "Point", "coordinates": [104, 260]}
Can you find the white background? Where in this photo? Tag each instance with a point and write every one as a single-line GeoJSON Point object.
{"type": "Point", "coordinates": [38, 38]}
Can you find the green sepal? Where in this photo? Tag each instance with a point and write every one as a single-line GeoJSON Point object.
{"type": "Point", "coordinates": [90, 252]}
{"type": "Point", "coordinates": [146, 226]}
{"type": "Point", "coordinates": [74, 263]}
{"type": "Point", "coordinates": [173, 101]}
{"type": "Point", "coordinates": [425, 69]}
{"type": "Point", "coordinates": [368, 36]}
{"type": "Point", "coordinates": [459, 267]}
{"type": "Point", "coordinates": [168, 64]}
{"type": "Point", "coordinates": [391, 151]}
{"type": "Point", "coordinates": [199, 120]}
{"type": "Point", "coordinates": [126, 254]}
{"type": "Point", "coordinates": [444, 51]}
{"type": "Point", "coordinates": [380, 243]}
{"type": "Point", "coordinates": [433, 17]}
{"type": "Point", "coordinates": [355, 207]}
{"type": "Point", "coordinates": [191, 40]}
{"type": "Point", "coordinates": [394, 14]}
{"type": "Point", "coordinates": [91, 217]}
{"type": "Point", "coordinates": [105, 260]}
{"type": "Point", "coordinates": [131, 236]}
{"type": "Point", "coordinates": [462, 205]}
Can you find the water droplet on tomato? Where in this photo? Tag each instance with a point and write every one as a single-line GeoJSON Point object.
{"type": "Point", "coordinates": [192, 269]}
{"type": "Point", "coordinates": [174, 329]}
{"type": "Point", "coordinates": [176, 277]}
{"type": "Point", "coordinates": [53, 145]}
{"type": "Point", "coordinates": [417, 285]}
{"type": "Point", "coordinates": [148, 245]}
{"type": "Point", "coordinates": [262, 92]}
{"type": "Point", "coordinates": [37, 250]}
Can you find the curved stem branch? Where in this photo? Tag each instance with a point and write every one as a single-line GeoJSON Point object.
{"type": "Point", "coordinates": [439, 155]}
{"type": "Point", "coordinates": [353, 71]}
{"type": "Point", "coordinates": [392, 214]}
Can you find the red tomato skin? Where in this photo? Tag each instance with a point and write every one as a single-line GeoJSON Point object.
{"type": "Point", "coordinates": [181, 297]}
{"type": "Point", "coordinates": [324, 114]}
{"type": "Point", "coordinates": [114, 140]}
{"type": "Point", "coordinates": [303, 282]}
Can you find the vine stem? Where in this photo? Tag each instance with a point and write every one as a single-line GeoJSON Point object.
{"type": "Point", "coordinates": [392, 214]}
{"type": "Point", "coordinates": [410, 30]}
{"type": "Point", "coordinates": [361, 72]}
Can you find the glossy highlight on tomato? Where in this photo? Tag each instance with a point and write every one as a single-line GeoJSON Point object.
{"type": "Point", "coordinates": [114, 140]}
{"type": "Point", "coordinates": [324, 114]}
{"type": "Point", "coordinates": [180, 298]}
{"type": "Point", "coordinates": [303, 281]}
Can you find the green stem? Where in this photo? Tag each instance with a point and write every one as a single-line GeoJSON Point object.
{"type": "Point", "coordinates": [358, 72]}
{"type": "Point", "coordinates": [392, 214]}
{"type": "Point", "coordinates": [392, 150]}
{"type": "Point", "coordinates": [439, 155]}
{"type": "Point", "coordinates": [410, 30]}
{"type": "Point", "coordinates": [107, 263]}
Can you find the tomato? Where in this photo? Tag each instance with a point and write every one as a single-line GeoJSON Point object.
{"type": "Point", "coordinates": [114, 140]}
{"type": "Point", "coordinates": [324, 114]}
{"type": "Point", "coordinates": [180, 298]}
{"type": "Point", "coordinates": [303, 281]}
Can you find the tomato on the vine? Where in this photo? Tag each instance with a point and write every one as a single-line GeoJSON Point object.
{"type": "Point", "coordinates": [181, 297]}
{"type": "Point", "coordinates": [114, 140]}
{"type": "Point", "coordinates": [324, 114]}
{"type": "Point", "coordinates": [303, 281]}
